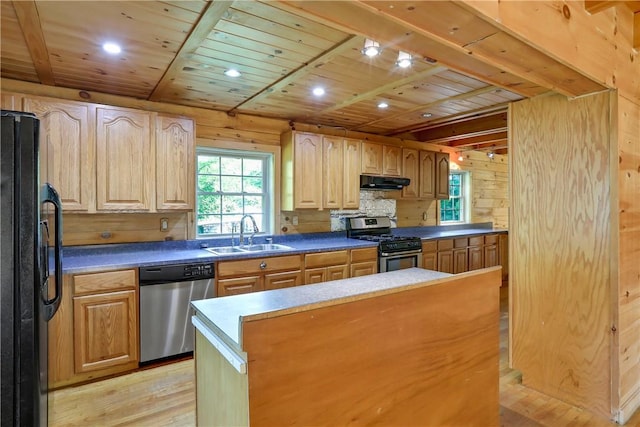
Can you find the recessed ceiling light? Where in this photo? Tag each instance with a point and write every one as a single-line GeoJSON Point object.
{"type": "Point", "coordinates": [112, 48]}
{"type": "Point", "coordinates": [404, 60]}
{"type": "Point", "coordinates": [426, 115]}
{"type": "Point", "coordinates": [232, 72]}
{"type": "Point", "coordinates": [383, 105]}
{"type": "Point", "coordinates": [318, 91]}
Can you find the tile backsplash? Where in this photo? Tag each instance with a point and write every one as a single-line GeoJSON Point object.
{"type": "Point", "coordinates": [372, 203]}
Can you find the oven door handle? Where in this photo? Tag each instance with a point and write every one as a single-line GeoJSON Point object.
{"type": "Point", "coordinates": [400, 254]}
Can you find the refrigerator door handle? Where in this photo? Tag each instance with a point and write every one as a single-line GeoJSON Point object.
{"type": "Point", "coordinates": [50, 195]}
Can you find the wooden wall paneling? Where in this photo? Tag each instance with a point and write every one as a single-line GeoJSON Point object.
{"type": "Point", "coordinates": [627, 351]}
{"type": "Point", "coordinates": [560, 248]}
{"type": "Point", "coordinates": [122, 228]}
{"type": "Point", "coordinates": [411, 213]}
{"type": "Point", "coordinates": [10, 101]}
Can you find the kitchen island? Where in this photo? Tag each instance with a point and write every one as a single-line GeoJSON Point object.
{"type": "Point", "coordinates": [409, 347]}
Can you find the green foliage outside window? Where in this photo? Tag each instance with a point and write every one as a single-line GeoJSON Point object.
{"type": "Point", "coordinates": [452, 210]}
{"type": "Point", "coordinates": [230, 185]}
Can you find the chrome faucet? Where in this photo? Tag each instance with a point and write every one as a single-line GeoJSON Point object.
{"type": "Point", "coordinates": [255, 230]}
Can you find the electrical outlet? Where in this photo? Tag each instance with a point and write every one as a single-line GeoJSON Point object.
{"type": "Point", "coordinates": [294, 220]}
{"type": "Point", "coordinates": [424, 215]}
{"type": "Point", "coordinates": [164, 224]}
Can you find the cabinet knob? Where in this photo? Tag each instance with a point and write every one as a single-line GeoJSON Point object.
{"type": "Point", "coordinates": [263, 265]}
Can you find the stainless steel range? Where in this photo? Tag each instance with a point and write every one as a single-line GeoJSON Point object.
{"type": "Point", "coordinates": [394, 252]}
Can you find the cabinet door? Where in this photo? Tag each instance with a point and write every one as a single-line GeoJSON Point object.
{"type": "Point", "coordinates": [442, 176]}
{"type": "Point", "coordinates": [67, 137]}
{"type": "Point", "coordinates": [239, 285]}
{"type": "Point", "coordinates": [307, 171]}
{"type": "Point", "coordinates": [125, 162]}
{"type": "Point", "coordinates": [333, 169]}
{"type": "Point", "coordinates": [337, 272]}
{"type": "Point", "coordinates": [476, 258]}
{"type": "Point", "coordinates": [10, 101]}
{"type": "Point", "coordinates": [371, 160]}
{"type": "Point", "coordinates": [430, 261]}
{"type": "Point", "coordinates": [445, 261]}
{"type": "Point", "coordinates": [283, 280]}
{"type": "Point", "coordinates": [175, 158]}
{"type": "Point", "coordinates": [410, 169]}
{"type": "Point", "coordinates": [315, 275]}
{"type": "Point", "coordinates": [460, 261]}
{"type": "Point", "coordinates": [491, 256]}
{"type": "Point", "coordinates": [105, 330]}
{"type": "Point", "coordinates": [391, 160]}
{"type": "Point", "coordinates": [351, 177]}
{"type": "Point", "coordinates": [427, 175]}
{"type": "Point", "coordinates": [364, 268]}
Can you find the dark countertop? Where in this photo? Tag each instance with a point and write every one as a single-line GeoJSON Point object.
{"type": "Point", "coordinates": [94, 258]}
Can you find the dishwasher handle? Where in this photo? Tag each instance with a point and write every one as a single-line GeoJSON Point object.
{"type": "Point", "coordinates": [156, 275]}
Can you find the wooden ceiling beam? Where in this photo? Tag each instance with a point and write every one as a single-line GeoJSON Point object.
{"type": "Point", "coordinates": [29, 20]}
{"type": "Point", "coordinates": [460, 128]}
{"type": "Point", "coordinates": [496, 136]}
{"type": "Point", "coordinates": [595, 6]}
{"type": "Point", "coordinates": [207, 21]}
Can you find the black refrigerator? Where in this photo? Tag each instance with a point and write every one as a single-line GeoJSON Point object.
{"type": "Point", "coordinates": [30, 235]}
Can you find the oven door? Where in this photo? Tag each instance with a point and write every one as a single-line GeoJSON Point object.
{"type": "Point", "coordinates": [400, 260]}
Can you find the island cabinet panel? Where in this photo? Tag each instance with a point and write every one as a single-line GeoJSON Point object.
{"type": "Point", "coordinates": [125, 159]}
{"type": "Point", "coordinates": [175, 158]}
{"type": "Point", "coordinates": [258, 274]}
{"type": "Point", "coordinates": [67, 137]}
{"type": "Point", "coordinates": [306, 367]}
{"type": "Point", "coordinates": [371, 160]}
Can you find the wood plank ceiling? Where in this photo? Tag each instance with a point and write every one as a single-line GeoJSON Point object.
{"type": "Point", "coordinates": [463, 67]}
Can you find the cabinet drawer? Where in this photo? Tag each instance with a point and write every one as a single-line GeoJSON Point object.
{"type": "Point", "coordinates": [258, 265]}
{"type": "Point", "coordinates": [103, 282]}
{"type": "Point", "coordinates": [431, 246]}
{"type": "Point", "coordinates": [325, 259]}
{"type": "Point", "coordinates": [491, 239]}
{"type": "Point", "coordinates": [241, 285]}
{"type": "Point", "coordinates": [445, 244]}
{"type": "Point", "coordinates": [460, 243]}
{"type": "Point", "coordinates": [364, 254]}
{"type": "Point", "coordinates": [476, 241]}
{"type": "Point", "coordinates": [287, 279]}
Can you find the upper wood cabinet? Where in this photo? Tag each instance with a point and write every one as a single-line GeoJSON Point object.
{"type": "Point", "coordinates": [11, 101]}
{"type": "Point", "coordinates": [68, 141]}
{"type": "Point", "coordinates": [301, 171]}
{"type": "Point", "coordinates": [411, 170]}
{"type": "Point", "coordinates": [351, 176]}
{"type": "Point", "coordinates": [333, 171]}
{"type": "Point", "coordinates": [175, 159]}
{"type": "Point", "coordinates": [125, 159]}
{"type": "Point", "coordinates": [371, 160]}
{"type": "Point", "coordinates": [391, 160]}
{"type": "Point", "coordinates": [433, 175]}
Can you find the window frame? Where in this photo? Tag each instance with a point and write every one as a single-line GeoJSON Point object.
{"type": "Point", "coordinates": [465, 199]}
{"type": "Point", "coordinates": [269, 180]}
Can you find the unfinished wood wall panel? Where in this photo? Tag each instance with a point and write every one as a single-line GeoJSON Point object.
{"type": "Point", "coordinates": [560, 248]}
{"type": "Point", "coordinates": [628, 344]}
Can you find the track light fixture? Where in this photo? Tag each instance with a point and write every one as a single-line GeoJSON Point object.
{"type": "Point", "coordinates": [371, 48]}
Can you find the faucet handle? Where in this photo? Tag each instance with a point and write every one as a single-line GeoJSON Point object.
{"type": "Point", "coordinates": [269, 240]}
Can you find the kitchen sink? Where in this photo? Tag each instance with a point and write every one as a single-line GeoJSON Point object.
{"type": "Point", "coordinates": [225, 250]}
{"type": "Point", "coordinates": [266, 247]}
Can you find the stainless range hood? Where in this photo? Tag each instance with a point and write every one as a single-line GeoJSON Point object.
{"type": "Point", "coordinates": [371, 182]}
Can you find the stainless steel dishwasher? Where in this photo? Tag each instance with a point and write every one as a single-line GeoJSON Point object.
{"type": "Point", "coordinates": [165, 310]}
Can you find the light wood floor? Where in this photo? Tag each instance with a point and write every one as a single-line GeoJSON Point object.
{"type": "Point", "coordinates": [165, 396]}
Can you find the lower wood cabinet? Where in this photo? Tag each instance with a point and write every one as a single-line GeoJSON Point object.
{"type": "Point", "coordinates": [326, 266]}
{"type": "Point", "coordinates": [458, 255]}
{"type": "Point", "coordinates": [95, 332]}
{"type": "Point", "coordinates": [363, 261]}
{"type": "Point", "coordinates": [258, 274]}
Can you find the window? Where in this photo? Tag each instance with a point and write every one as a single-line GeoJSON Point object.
{"type": "Point", "coordinates": [455, 209]}
{"type": "Point", "coordinates": [231, 184]}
